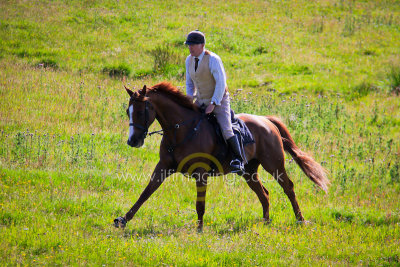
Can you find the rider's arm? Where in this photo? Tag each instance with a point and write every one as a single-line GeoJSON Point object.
{"type": "Point", "coordinates": [189, 82]}
{"type": "Point", "coordinates": [218, 71]}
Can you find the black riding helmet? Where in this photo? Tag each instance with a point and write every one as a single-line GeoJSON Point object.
{"type": "Point", "coordinates": [195, 37]}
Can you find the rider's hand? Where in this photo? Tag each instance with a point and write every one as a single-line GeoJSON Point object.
{"type": "Point", "coordinates": [210, 108]}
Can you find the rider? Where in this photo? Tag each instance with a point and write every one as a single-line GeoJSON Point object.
{"type": "Point", "coordinates": [206, 81]}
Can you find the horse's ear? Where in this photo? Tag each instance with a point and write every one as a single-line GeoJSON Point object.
{"type": "Point", "coordinates": [129, 91]}
{"type": "Point", "coordinates": [143, 91]}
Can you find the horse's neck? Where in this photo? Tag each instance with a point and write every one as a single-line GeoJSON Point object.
{"type": "Point", "coordinates": [170, 113]}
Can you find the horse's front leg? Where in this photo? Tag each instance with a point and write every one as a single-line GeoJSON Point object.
{"type": "Point", "coordinates": [157, 178]}
{"type": "Point", "coordinates": [201, 186]}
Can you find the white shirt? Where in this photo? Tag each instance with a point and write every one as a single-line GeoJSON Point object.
{"type": "Point", "coordinates": [217, 71]}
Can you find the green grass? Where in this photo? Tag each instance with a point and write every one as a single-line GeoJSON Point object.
{"type": "Point", "coordinates": [327, 68]}
{"type": "Point", "coordinates": [317, 45]}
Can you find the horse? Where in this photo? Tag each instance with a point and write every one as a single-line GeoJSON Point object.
{"type": "Point", "coordinates": [190, 139]}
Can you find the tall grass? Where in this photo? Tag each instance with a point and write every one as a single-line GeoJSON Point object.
{"type": "Point", "coordinates": [394, 79]}
{"type": "Point", "coordinates": [66, 171]}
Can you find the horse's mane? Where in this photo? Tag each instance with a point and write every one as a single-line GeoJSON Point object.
{"type": "Point", "coordinates": [174, 94]}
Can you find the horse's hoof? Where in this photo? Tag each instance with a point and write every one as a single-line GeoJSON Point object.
{"type": "Point", "coordinates": [267, 221]}
{"type": "Point", "coordinates": [200, 228]}
{"type": "Point", "coordinates": [303, 222]}
{"type": "Point", "coordinates": [120, 222]}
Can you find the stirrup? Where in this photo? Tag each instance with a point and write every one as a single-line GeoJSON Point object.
{"type": "Point", "coordinates": [237, 167]}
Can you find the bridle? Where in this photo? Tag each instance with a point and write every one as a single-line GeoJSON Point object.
{"type": "Point", "coordinates": [175, 127]}
{"type": "Point", "coordinates": [146, 125]}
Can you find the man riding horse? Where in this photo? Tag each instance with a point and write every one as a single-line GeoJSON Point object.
{"type": "Point", "coordinates": [182, 122]}
{"type": "Point", "coordinates": [206, 82]}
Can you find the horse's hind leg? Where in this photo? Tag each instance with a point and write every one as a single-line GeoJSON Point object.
{"type": "Point", "coordinates": [288, 188]}
{"type": "Point", "coordinates": [253, 181]}
{"type": "Point", "coordinates": [284, 181]}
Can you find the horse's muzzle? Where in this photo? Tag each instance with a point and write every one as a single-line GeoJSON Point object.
{"type": "Point", "coordinates": [135, 143]}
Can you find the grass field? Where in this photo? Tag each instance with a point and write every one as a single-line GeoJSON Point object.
{"type": "Point", "coordinates": [329, 69]}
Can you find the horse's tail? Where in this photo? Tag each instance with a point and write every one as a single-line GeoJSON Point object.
{"type": "Point", "coordinates": [310, 167]}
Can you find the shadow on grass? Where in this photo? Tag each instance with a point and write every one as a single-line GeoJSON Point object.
{"type": "Point", "coordinates": [220, 229]}
{"type": "Point", "coordinates": [155, 231]}
{"type": "Point", "coordinates": [232, 229]}
{"type": "Point", "coordinates": [366, 219]}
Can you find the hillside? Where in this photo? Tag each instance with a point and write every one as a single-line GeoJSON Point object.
{"type": "Point", "coordinates": [329, 68]}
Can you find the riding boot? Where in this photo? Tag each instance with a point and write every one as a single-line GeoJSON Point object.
{"type": "Point", "coordinates": [237, 162]}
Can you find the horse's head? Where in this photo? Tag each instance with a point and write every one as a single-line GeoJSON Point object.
{"type": "Point", "coordinates": [141, 115]}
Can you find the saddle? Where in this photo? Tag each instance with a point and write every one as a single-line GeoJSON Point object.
{"type": "Point", "coordinates": [239, 129]}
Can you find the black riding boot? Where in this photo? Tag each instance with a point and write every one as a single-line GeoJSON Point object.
{"type": "Point", "coordinates": [237, 162]}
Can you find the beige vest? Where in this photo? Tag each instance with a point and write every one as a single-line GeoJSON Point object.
{"type": "Point", "coordinates": [204, 82]}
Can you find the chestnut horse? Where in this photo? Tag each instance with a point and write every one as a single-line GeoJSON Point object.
{"type": "Point", "coordinates": [186, 132]}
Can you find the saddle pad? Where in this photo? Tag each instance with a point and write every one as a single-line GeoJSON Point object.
{"type": "Point", "coordinates": [241, 128]}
